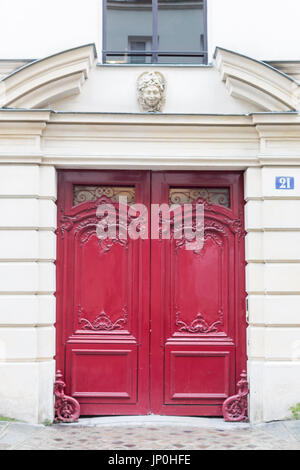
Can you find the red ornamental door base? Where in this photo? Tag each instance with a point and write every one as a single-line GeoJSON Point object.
{"type": "Point", "coordinates": [145, 325]}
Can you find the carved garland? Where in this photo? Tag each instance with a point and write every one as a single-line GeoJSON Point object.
{"type": "Point", "coordinates": [104, 244]}
{"type": "Point", "coordinates": [212, 228]}
{"type": "Point", "coordinates": [67, 409]}
{"type": "Point", "coordinates": [91, 222]}
{"type": "Point", "coordinates": [102, 321]}
{"type": "Point", "coordinates": [199, 325]}
{"type": "Point", "coordinates": [235, 408]}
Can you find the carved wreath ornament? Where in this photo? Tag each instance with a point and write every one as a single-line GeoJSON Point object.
{"type": "Point", "coordinates": [151, 90]}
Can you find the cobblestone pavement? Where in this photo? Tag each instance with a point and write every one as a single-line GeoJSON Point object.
{"type": "Point", "coordinates": [153, 434]}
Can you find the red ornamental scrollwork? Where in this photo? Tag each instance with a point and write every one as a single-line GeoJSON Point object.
{"type": "Point", "coordinates": [67, 409]}
{"type": "Point", "coordinates": [102, 321]}
{"type": "Point", "coordinates": [235, 408]}
{"type": "Point", "coordinates": [66, 225]}
{"type": "Point", "coordinates": [117, 225]}
{"type": "Point", "coordinates": [199, 325]}
{"type": "Point", "coordinates": [215, 229]}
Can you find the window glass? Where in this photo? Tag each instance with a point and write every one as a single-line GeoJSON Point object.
{"type": "Point", "coordinates": [129, 29]}
{"type": "Point", "coordinates": [181, 29]}
{"type": "Point", "coordinates": [92, 193]}
{"type": "Point", "coordinates": [218, 196]}
{"type": "Point", "coordinates": [155, 31]}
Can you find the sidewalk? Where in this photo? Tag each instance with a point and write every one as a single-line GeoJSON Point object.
{"type": "Point", "coordinates": [151, 432]}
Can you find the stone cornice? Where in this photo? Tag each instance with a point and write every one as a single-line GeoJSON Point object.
{"type": "Point", "coordinates": [94, 140]}
{"type": "Point", "coordinates": [257, 81]}
{"type": "Point", "coordinates": [24, 115]}
{"type": "Point", "coordinates": [289, 67]}
{"type": "Point", "coordinates": [41, 81]}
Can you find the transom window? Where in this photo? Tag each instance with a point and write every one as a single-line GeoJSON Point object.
{"type": "Point", "coordinates": [154, 31]}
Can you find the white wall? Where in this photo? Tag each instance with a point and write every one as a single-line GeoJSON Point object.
{"type": "Point", "coordinates": [203, 92]}
{"type": "Point", "coordinates": [264, 29]}
{"type": "Point", "coordinates": [33, 29]}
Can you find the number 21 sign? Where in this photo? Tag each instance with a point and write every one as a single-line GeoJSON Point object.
{"type": "Point", "coordinates": [284, 182]}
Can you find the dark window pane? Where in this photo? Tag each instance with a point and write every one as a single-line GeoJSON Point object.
{"type": "Point", "coordinates": [140, 44]}
{"type": "Point", "coordinates": [181, 29]}
{"type": "Point", "coordinates": [129, 25]}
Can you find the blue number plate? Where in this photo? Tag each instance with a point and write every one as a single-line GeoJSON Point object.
{"type": "Point", "coordinates": [285, 182]}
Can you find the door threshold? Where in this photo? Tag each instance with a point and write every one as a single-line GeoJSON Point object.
{"type": "Point", "coordinates": [158, 420]}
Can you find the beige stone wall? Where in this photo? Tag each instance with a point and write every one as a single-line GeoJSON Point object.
{"type": "Point", "coordinates": [33, 144]}
{"type": "Point", "coordinates": [273, 286]}
{"type": "Point", "coordinates": [27, 303]}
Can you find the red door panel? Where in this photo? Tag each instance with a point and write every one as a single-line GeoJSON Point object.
{"type": "Point", "coordinates": [197, 298]}
{"type": "Point", "coordinates": [117, 378]}
{"type": "Point", "coordinates": [103, 296]}
{"type": "Point", "coordinates": [196, 374]}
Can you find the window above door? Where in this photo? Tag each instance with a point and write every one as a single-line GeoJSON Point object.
{"type": "Point", "coordinates": [154, 32]}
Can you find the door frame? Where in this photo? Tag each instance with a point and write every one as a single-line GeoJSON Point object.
{"type": "Point", "coordinates": [234, 179]}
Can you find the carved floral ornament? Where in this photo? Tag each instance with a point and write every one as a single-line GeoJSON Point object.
{"type": "Point", "coordinates": [151, 91]}
{"type": "Point", "coordinates": [116, 222]}
{"type": "Point", "coordinates": [199, 324]}
{"type": "Point", "coordinates": [102, 321]}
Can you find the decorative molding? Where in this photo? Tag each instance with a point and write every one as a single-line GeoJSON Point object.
{"type": "Point", "coordinates": [85, 223]}
{"type": "Point", "coordinates": [102, 321]}
{"type": "Point", "coordinates": [214, 227]}
{"type": "Point", "coordinates": [45, 94]}
{"type": "Point", "coordinates": [144, 140]}
{"type": "Point", "coordinates": [67, 409]}
{"type": "Point", "coordinates": [8, 66]}
{"type": "Point", "coordinates": [235, 408]}
{"type": "Point", "coordinates": [289, 67]}
{"type": "Point", "coordinates": [257, 81]}
{"type": "Point", "coordinates": [42, 81]}
{"type": "Point", "coordinates": [245, 91]}
{"type": "Point", "coordinates": [199, 325]}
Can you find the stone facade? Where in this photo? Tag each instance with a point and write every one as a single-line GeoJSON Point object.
{"type": "Point", "coordinates": [235, 114]}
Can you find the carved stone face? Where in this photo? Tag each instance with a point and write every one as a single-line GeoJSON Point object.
{"type": "Point", "coordinates": [151, 91]}
{"type": "Point", "coordinates": [152, 96]}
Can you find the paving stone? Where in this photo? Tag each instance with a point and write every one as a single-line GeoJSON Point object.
{"type": "Point", "coordinates": [16, 432]}
{"type": "Point", "coordinates": [4, 446]}
{"type": "Point", "coordinates": [294, 428]}
{"type": "Point", "coordinates": [276, 429]}
{"type": "Point", "coordinates": [269, 436]}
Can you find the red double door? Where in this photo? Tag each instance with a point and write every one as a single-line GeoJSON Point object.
{"type": "Point", "coordinates": [147, 326]}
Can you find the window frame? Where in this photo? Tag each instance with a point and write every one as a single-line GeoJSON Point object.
{"type": "Point", "coordinates": [154, 54]}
